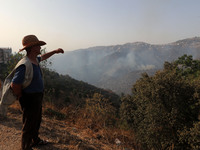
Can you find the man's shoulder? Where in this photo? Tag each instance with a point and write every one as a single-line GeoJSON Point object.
{"type": "Point", "coordinates": [24, 61]}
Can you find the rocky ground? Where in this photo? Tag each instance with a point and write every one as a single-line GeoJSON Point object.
{"type": "Point", "coordinates": [60, 134]}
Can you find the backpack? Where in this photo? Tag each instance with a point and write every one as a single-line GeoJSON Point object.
{"type": "Point", "coordinates": [8, 96]}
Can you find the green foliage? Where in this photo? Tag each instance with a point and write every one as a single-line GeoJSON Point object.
{"type": "Point", "coordinates": [188, 66]}
{"type": "Point", "coordinates": [127, 110]}
{"type": "Point", "coordinates": [191, 137]}
{"type": "Point", "coordinates": [164, 105]}
{"type": "Point", "coordinates": [7, 68]}
{"type": "Point", "coordinates": [14, 59]}
{"type": "Point", "coordinates": [3, 71]}
{"type": "Point", "coordinates": [100, 110]}
{"type": "Point", "coordinates": [64, 90]}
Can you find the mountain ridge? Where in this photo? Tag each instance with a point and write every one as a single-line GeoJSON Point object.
{"type": "Point", "coordinates": [101, 65]}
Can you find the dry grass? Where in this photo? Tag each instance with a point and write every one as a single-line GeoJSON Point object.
{"type": "Point", "coordinates": [76, 131]}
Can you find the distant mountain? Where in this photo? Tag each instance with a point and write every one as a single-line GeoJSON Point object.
{"type": "Point", "coordinates": [118, 67]}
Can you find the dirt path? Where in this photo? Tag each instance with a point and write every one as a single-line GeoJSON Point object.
{"type": "Point", "coordinates": [60, 134]}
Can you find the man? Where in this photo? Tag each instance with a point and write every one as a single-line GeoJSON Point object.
{"type": "Point", "coordinates": [0, 88]}
{"type": "Point", "coordinates": [27, 85]}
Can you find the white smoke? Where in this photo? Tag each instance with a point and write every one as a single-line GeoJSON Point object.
{"type": "Point", "coordinates": [146, 67]}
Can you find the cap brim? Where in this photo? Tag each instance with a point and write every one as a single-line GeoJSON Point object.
{"type": "Point", "coordinates": [39, 43]}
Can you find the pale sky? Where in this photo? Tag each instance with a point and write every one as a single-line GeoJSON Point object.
{"type": "Point", "coordinates": [76, 24]}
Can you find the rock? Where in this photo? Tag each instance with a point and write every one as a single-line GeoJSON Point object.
{"type": "Point", "coordinates": [117, 141]}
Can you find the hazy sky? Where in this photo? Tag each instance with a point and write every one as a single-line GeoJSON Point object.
{"type": "Point", "coordinates": [75, 24]}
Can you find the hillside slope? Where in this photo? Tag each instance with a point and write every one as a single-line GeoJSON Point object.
{"type": "Point", "coordinates": [61, 134]}
{"type": "Point", "coordinates": [112, 64]}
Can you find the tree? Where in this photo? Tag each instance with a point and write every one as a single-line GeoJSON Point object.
{"type": "Point", "coordinates": [188, 67]}
{"type": "Point", "coordinates": [191, 137]}
{"type": "Point", "coordinates": [163, 105]}
{"type": "Point", "coordinates": [7, 68]}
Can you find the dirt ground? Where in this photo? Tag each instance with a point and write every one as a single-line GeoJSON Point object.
{"type": "Point", "coordinates": [60, 134]}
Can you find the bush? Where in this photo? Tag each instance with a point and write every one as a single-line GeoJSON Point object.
{"type": "Point", "coordinates": [190, 138]}
{"type": "Point", "coordinates": [161, 107]}
{"type": "Point", "coordinates": [99, 111]}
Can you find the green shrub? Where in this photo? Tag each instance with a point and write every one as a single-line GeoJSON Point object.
{"type": "Point", "coordinates": [100, 111]}
{"type": "Point", "coordinates": [190, 138]}
{"type": "Point", "coordinates": [163, 106]}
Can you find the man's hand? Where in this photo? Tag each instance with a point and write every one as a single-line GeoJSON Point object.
{"type": "Point", "coordinates": [17, 89]}
{"type": "Point", "coordinates": [59, 50]}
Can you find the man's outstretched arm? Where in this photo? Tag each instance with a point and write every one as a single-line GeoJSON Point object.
{"type": "Point", "coordinates": [49, 54]}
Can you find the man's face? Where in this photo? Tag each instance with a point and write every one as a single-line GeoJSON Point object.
{"type": "Point", "coordinates": [36, 49]}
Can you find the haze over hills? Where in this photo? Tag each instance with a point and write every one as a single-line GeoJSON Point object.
{"type": "Point", "coordinates": [118, 67]}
